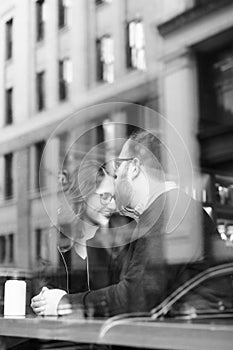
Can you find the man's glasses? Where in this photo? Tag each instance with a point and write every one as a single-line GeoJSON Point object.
{"type": "Point", "coordinates": [117, 162]}
{"type": "Point", "coordinates": [105, 198]}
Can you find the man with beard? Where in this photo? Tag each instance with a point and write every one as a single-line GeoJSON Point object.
{"type": "Point", "coordinates": [141, 276]}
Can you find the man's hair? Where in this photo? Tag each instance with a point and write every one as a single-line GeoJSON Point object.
{"type": "Point", "coordinates": [147, 148]}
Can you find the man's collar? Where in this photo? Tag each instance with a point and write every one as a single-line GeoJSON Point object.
{"type": "Point", "coordinates": [160, 189]}
{"type": "Point", "coordinates": [140, 209]}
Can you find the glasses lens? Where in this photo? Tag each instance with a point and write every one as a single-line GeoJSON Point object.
{"type": "Point", "coordinates": [117, 163]}
{"type": "Point", "coordinates": [105, 198]}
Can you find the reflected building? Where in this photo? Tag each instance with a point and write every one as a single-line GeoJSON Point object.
{"type": "Point", "coordinates": [197, 58]}
{"type": "Point", "coordinates": [61, 57]}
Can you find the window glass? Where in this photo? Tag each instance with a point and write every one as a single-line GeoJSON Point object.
{"type": "Point", "coordinates": [136, 45]}
{"type": "Point", "coordinates": [63, 13]}
{"type": "Point", "coordinates": [11, 247]}
{"type": "Point", "coordinates": [65, 78]}
{"type": "Point", "coordinates": [39, 166]}
{"type": "Point", "coordinates": [8, 175]}
{"type": "Point", "coordinates": [40, 90]}
{"type": "Point", "coordinates": [9, 106]}
{"type": "Point", "coordinates": [40, 19]}
{"type": "Point", "coordinates": [2, 249]}
{"type": "Point", "coordinates": [105, 59]}
{"type": "Point", "coordinates": [9, 38]}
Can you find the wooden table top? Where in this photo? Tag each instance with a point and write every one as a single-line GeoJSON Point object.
{"type": "Point", "coordinates": [127, 332]}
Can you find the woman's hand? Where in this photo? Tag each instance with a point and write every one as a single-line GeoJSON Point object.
{"type": "Point", "coordinates": [38, 303]}
{"type": "Point", "coordinates": [47, 301]}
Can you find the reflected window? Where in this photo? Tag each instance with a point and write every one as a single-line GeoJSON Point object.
{"type": "Point", "coordinates": [8, 158]}
{"type": "Point", "coordinates": [100, 2]}
{"type": "Point", "coordinates": [7, 248]}
{"type": "Point", "coordinates": [11, 247]}
{"type": "Point", "coordinates": [38, 243]}
{"type": "Point", "coordinates": [40, 19]}
{"type": "Point", "coordinates": [40, 90]}
{"type": "Point", "coordinates": [223, 76]}
{"type": "Point", "coordinates": [65, 78]}
{"type": "Point", "coordinates": [63, 147]}
{"type": "Point", "coordinates": [9, 106]}
{"type": "Point", "coordinates": [216, 88]}
{"type": "Point", "coordinates": [105, 59]}
{"type": "Point", "coordinates": [136, 45]}
{"type": "Point", "coordinates": [63, 13]}
{"type": "Point", "coordinates": [9, 39]}
{"type": "Point", "coordinates": [39, 169]}
{"type": "Point", "coordinates": [42, 247]}
{"type": "Point", "coordinates": [2, 249]}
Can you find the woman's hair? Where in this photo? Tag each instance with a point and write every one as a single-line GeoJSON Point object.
{"type": "Point", "coordinates": [81, 183]}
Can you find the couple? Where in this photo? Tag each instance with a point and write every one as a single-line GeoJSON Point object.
{"type": "Point", "coordinates": [144, 278]}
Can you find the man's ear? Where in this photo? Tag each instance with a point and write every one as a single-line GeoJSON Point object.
{"type": "Point", "coordinates": [135, 168]}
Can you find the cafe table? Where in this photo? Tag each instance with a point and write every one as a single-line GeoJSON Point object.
{"type": "Point", "coordinates": [141, 333]}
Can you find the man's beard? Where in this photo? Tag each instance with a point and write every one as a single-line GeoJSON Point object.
{"type": "Point", "coordinates": [124, 192]}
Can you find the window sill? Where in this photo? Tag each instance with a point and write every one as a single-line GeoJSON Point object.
{"type": "Point", "coordinates": [8, 202]}
{"type": "Point", "coordinates": [35, 194]}
{"type": "Point", "coordinates": [100, 4]}
{"type": "Point", "coordinates": [8, 125]}
{"type": "Point", "coordinates": [9, 61]}
{"type": "Point", "coordinates": [40, 43]}
{"type": "Point", "coordinates": [64, 29]}
{"type": "Point", "coordinates": [39, 111]}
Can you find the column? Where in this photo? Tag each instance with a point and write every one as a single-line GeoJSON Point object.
{"type": "Point", "coordinates": [181, 113]}
{"type": "Point", "coordinates": [23, 235]}
{"type": "Point", "coordinates": [51, 201]}
{"type": "Point", "coordinates": [182, 150]}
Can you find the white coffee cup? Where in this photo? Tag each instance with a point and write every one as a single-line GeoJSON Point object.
{"type": "Point", "coordinates": [15, 298]}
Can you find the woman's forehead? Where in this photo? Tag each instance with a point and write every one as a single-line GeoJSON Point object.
{"type": "Point", "coordinates": [106, 185]}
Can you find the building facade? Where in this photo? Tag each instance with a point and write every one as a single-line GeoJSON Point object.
{"type": "Point", "coordinates": [59, 57]}
{"type": "Point", "coordinates": [63, 61]}
{"type": "Point", "coordinates": [197, 90]}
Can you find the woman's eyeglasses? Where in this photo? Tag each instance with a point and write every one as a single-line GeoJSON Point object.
{"type": "Point", "coordinates": [105, 198]}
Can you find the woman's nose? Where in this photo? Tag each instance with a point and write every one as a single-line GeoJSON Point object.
{"type": "Point", "coordinates": [112, 204]}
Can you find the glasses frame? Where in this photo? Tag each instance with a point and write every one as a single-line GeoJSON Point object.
{"type": "Point", "coordinates": [107, 201]}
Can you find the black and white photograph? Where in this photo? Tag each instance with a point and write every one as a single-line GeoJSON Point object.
{"type": "Point", "coordinates": [116, 174]}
